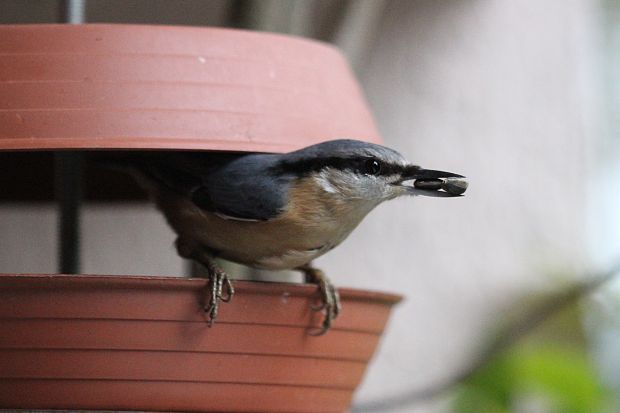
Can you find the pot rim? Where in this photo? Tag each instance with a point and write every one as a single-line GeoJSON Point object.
{"type": "Point", "coordinates": [138, 282]}
{"type": "Point", "coordinates": [150, 26]}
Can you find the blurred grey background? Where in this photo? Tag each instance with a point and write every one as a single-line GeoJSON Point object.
{"type": "Point", "coordinates": [520, 96]}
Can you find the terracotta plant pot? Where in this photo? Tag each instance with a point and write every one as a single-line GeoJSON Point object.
{"type": "Point", "coordinates": [162, 87]}
{"type": "Point", "coordinates": [142, 343]}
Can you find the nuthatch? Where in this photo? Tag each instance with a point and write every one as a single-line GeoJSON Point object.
{"type": "Point", "coordinates": [278, 211]}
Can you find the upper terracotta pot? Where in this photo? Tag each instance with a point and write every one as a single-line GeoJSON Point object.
{"type": "Point", "coordinates": [160, 87]}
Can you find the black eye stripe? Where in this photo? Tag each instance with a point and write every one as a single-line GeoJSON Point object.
{"type": "Point", "coordinates": [390, 169]}
{"type": "Point", "coordinates": [307, 166]}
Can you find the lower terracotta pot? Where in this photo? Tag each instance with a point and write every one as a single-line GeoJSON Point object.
{"type": "Point", "coordinates": [141, 343]}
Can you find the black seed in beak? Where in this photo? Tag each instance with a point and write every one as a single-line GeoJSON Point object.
{"type": "Point", "coordinates": [430, 184]}
{"type": "Point", "coordinates": [434, 183]}
{"type": "Point", "coordinates": [450, 185]}
{"type": "Point", "coordinates": [455, 186]}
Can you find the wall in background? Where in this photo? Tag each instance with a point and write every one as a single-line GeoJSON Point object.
{"type": "Point", "coordinates": [499, 91]}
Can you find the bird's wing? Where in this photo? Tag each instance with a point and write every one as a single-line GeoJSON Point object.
{"type": "Point", "coordinates": [244, 189]}
{"type": "Point", "coordinates": [233, 186]}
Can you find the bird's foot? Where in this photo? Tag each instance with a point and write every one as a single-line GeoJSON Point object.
{"type": "Point", "coordinates": [330, 299]}
{"type": "Point", "coordinates": [220, 289]}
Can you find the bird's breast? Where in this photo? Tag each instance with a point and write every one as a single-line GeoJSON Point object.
{"type": "Point", "coordinates": [309, 226]}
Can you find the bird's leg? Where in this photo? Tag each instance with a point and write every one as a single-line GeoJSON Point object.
{"type": "Point", "coordinates": [219, 287]}
{"type": "Point", "coordinates": [330, 299]}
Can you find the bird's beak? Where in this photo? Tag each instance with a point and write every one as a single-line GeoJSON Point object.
{"type": "Point", "coordinates": [415, 172]}
{"type": "Point", "coordinates": [430, 182]}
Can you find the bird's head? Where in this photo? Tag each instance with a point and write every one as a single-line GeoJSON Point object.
{"type": "Point", "coordinates": [368, 173]}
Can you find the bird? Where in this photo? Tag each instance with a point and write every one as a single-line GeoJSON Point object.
{"type": "Point", "coordinates": [277, 211]}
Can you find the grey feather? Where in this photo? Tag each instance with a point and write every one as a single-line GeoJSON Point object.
{"type": "Point", "coordinates": [233, 185]}
{"type": "Point", "coordinates": [244, 189]}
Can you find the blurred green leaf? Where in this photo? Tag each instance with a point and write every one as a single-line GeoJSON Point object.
{"type": "Point", "coordinates": [561, 376]}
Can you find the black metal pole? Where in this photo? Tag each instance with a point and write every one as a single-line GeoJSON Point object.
{"type": "Point", "coordinates": [73, 11]}
{"type": "Point", "coordinates": [68, 179]}
{"type": "Point", "coordinates": [68, 188]}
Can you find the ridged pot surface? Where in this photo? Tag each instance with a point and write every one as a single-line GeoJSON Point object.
{"type": "Point", "coordinates": [142, 343]}
{"type": "Point", "coordinates": [101, 86]}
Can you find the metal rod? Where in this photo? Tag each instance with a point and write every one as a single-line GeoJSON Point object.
{"type": "Point", "coordinates": [73, 11]}
{"type": "Point", "coordinates": [68, 188]}
{"type": "Point", "coordinates": [68, 178]}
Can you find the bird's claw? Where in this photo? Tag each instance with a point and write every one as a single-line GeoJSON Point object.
{"type": "Point", "coordinates": [330, 299]}
{"type": "Point", "coordinates": [220, 289]}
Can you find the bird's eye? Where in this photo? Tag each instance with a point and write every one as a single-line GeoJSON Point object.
{"type": "Point", "coordinates": [372, 167]}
